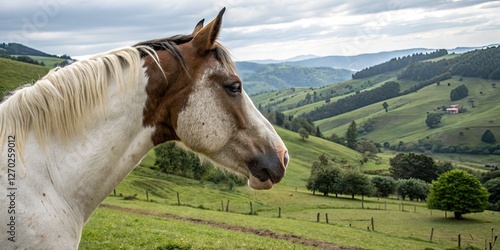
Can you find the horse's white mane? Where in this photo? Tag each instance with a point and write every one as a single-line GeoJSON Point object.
{"type": "Point", "coordinates": [59, 104]}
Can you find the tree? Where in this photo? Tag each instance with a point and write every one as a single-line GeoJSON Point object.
{"type": "Point", "coordinates": [308, 98]}
{"type": "Point", "coordinates": [318, 133]}
{"type": "Point", "coordinates": [368, 125]}
{"type": "Point", "coordinates": [335, 138]}
{"type": "Point", "coordinates": [493, 187]}
{"type": "Point", "coordinates": [488, 137]}
{"type": "Point", "coordinates": [324, 177]}
{"type": "Point", "coordinates": [433, 120]}
{"type": "Point", "coordinates": [385, 105]}
{"type": "Point", "coordinates": [303, 133]}
{"type": "Point", "coordinates": [415, 189]}
{"type": "Point", "coordinates": [351, 135]}
{"type": "Point", "coordinates": [279, 118]}
{"type": "Point", "coordinates": [367, 146]}
{"type": "Point", "coordinates": [443, 167]}
{"type": "Point", "coordinates": [458, 191]}
{"type": "Point", "coordinates": [384, 185]}
{"type": "Point", "coordinates": [355, 182]}
{"type": "Point", "coordinates": [411, 165]}
{"type": "Point", "coordinates": [459, 92]}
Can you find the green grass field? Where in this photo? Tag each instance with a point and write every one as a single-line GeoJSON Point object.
{"type": "Point", "coordinates": [49, 62]}
{"type": "Point", "coordinates": [14, 74]}
{"type": "Point", "coordinates": [348, 221]}
{"type": "Point", "coordinates": [205, 203]}
{"type": "Point", "coordinates": [405, 120]}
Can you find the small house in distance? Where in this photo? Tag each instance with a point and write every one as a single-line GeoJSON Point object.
{"type": "Point", "coordinates": [453, 109]}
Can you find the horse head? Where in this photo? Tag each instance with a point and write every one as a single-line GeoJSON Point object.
{"type": "Point", "coordinates": [196, 96]}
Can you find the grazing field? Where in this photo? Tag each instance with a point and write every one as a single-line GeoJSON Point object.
{"type": "Point", "coordinates": [200, 222]}
{"type": "Point", "coordinates": [14, 74]}
{"type": "Point", "coordinates": [180, 213]}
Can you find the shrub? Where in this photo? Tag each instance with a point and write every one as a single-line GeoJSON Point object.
{"type": "Point", "coordinates": [488, 137]}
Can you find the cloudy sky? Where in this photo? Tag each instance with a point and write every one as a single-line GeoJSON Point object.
{"type": "Point", "coordinates": [257, 29]}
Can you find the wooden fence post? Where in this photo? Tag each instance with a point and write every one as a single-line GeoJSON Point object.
{"type": "Point", "coordinates": [432, 233]}
{"type": "Point", "coordinates": [251, 208]}
{"type": "Point", "coordinates": [114, 192]}
{"type": "Point", "coordinates": [147, 195]}
{"type": "Point", "coordinates": [373, 225]}
{"type": "Point", "coordinates": [385, 205]}
{"type": "Point", "coordinates": [222, 206]}
{"type": "Point", "coordinates": [326, 218]}
{"type": "Point", "coordinates": [178, 199]}
{"type": "Point", "coordinates": [317, 217]}
{"type": "Point", "coordinates": [227, 206]}
{"type": "Point", "coordinates": [492, 229]}
{"type": "Point", "coordinates": [279, 212]}
{"type": "Point", "coordinates": [459, 241]}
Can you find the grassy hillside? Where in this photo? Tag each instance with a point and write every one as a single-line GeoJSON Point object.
{"type": "Point", "coordinates": [266, 77]}
{"type": "Point", "coordinates": [49, 62]}
{"type": "Point", "coordinates": [405, 120]}
{"type": "Point", "coordinates": [14, 74]}
{"type": "Point", "coordinates": [199, 222]}
{"type": "Point", "coordinates": [287, 100]}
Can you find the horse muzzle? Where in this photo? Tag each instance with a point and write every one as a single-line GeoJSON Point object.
{"type": "Point", "coordinates": [267, 169]}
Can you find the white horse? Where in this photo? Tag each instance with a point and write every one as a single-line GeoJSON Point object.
{"type": "Point", "coordinates": [69, 139]}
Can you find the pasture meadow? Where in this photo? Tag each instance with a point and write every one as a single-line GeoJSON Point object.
{"type": "Point", "coordinates": [397, 224]}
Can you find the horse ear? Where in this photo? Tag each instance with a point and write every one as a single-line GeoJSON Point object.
{"type": "Point", "coordinates": [198, 27]}
{"type": "Point", "coordinates": [205, 38]}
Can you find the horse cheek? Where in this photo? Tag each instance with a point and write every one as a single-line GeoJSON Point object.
{"type": "Point", "coordinates": [203, 125]}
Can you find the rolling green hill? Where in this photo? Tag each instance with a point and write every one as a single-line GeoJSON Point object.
{"type": "Point", "coordinates": [406, 117]}
{"type": "Point", "coordinates": [14, 74]}
{"type": "Point", "coordinates": [404, 123]}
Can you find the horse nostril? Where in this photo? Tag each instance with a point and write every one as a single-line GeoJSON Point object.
{"type": "Point", "coordinates": [285, 159]}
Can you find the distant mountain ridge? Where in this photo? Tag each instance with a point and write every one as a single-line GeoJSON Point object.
{"type": "Point", "coordinates": [19, 49]}
{"type": "Point", "coordinates": [361, 61]}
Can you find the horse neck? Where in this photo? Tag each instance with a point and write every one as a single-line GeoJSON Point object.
{"type": "Point", "coordinates": [87, 169]}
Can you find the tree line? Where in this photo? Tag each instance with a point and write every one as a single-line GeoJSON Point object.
{"type": "Point", "coordinates": [397, 63]}
{"type": "Point", "coordinates": [292, 123]}
{"type": "Point", "coordinates": [25, 59]}
{"type": "Point", "coordinates": [412, 176]}
{"type": "Point", "coordinates": [484, 63]}
{"type": "Point", "coordinates": [352, 102]}
{"type": "Point", "coordinates": [171, 159]}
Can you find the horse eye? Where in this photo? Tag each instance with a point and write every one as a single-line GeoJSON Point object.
{"type": "Point", "coordinates": [234, 88]}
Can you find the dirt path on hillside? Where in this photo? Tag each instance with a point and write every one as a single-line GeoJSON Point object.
{"type": "Point", "coordinates": [265, 233]}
